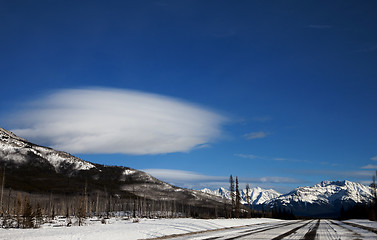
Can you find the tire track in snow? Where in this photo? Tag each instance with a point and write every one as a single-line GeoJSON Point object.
{"type": "Point", "coordinates": [362, 227]}
{"type": "Point", "coordinates": [254, 231]}
{"type": "Point", "coordinates": [290, 232]}
{"type": "Point", "coordinates": [208, 231]}
{"type": "Point", "coordinates": [326, 230]}
{"type": "Point", "coordinates": [310, 235]}
{"type": "Point", "coordinates": [357, 235]}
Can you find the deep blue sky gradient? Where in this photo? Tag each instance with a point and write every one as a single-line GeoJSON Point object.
{"type": "Point", "coordinates": [303, 72]}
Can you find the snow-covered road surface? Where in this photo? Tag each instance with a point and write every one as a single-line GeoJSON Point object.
{"type": "Point", "coordinates": [300, 230]}
{"type": "Point", "coordinates": [200, 229]}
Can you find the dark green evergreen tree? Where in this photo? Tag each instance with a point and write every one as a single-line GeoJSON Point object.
{"type": "Point", "coordinates": [238, 199]}
{"type": "Point", "coordinates": [231, 189]}
{"type": "Point", "coordinates": [248, 200]}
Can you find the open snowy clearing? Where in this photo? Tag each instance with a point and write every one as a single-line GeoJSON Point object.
{"type": "Point", "coordinates": [186, 228]}
{"type": "Point", "coordinates": [116, 228]}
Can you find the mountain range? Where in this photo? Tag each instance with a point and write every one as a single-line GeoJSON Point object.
{"type": "Point", "coordinates": [37, 169]}
{"type": "Point", "coordinates": [257, 195]}
{"type": "Point", "coordinates": [324, 199]}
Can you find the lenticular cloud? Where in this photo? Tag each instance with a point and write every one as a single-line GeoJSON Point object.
{"type": "Point", "coordinates": [117, 121]}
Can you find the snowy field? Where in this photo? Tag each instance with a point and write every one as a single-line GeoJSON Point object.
{"type": "Point", "coordinates": [116, 228]}
{"type": "Point", "coordinates": [183, 228]}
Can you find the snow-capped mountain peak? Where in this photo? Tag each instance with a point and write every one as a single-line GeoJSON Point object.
{"type": "Point", "coordinates": [330, 191]}
{"type": "Point", "coordinates": [325, 198]}
{"type": "Point", "coordinates": [257, 195]}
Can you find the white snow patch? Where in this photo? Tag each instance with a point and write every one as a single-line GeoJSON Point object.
{"type": "Point", "coordinates": [128, 172]}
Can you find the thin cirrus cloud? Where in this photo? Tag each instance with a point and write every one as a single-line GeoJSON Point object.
{"type": "Point", "coordinates": [172, 175]}
{"type": "Point", "coordinates": [106, 120]}
{"type": "Point", "coordinates": [369, 166]}
{"type": "Point", "coordinates": [197, 180]}
{"type": "Point", "coordinates": [256, 135]}
{"type": "Point", "coordinates": [373, 158]}
{"type": "Point", "coordinates": [252, 156]}
{"type": "Point", "coordinates": [247, 156]}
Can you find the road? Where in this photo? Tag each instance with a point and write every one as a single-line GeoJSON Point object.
{"type": "Point", "coordinates": [305, 230]}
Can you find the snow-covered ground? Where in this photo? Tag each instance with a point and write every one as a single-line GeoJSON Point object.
{"type": "Point", "coordinates": [257, 228]}
{"type": "Point", "coordinates": [364, 222]}
{"type": "Point", "coordinates": [117, 228]}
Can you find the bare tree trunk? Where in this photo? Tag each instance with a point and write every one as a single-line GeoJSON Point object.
{"type": "Point", "coordinates": [97, 201]}
{"type": "Point", "coordinates": [50, 206]}
{"type": "Point", "coordinates": [86, 197]}
{"type": "Point", "coordinates": [9, 196]}
{"type": "Point", "coordinates": [2, 193]}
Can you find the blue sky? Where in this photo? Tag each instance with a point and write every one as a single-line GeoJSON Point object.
{"type": "Point", "coordinates": [279, 93]}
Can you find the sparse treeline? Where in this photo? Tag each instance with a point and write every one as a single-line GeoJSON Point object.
{"type": "Point", "coordinates": [35, 193]}
{"type": "Point", "coordinates": [239, 210]}
{"type": "Point", "coordinates": [26, 210]}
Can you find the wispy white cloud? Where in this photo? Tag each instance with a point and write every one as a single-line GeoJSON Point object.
{"type": "Point", "coordinates": [181, 175]}
{"type": "Point", "coordinates": [252, 156]}
{"type": "Point", "coordinates": [330, 164]}
{"type": "Point", "coordinates": [188, 179]}
{"type": "Point", "coordinates": [369, 166]}
{"type": "Point", "coordinates": [105, 120]}
{"type": "Point", "coordinates": [197, 181]}
{"type": "Point", "coordinates": [374, 158]}
{"type": "Point", "coordinates": [255, 135]}
{"type": "Point", "coordinates": [248, 156]}
{"type": "Point", "coordinates": [273, 179]}
{"type": "Point", "coordinates": [290, 160]}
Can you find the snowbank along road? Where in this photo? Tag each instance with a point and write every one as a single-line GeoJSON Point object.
{"type": "Point", "coordinates": [305, 230]}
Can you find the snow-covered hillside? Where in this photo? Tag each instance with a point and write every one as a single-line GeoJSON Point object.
{"type": "Point", "coordinates": [257, 195]}
{"type": "Point", "coordinates": [19, 150]}
{"type": "Point", "coordinates": [28, 164]}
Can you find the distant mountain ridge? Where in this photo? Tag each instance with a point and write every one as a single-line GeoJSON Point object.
{"type": "Point", "coordinates": [323, 199]}
{"type": "Point", "coordinates": [257, 195]}
{"type": "Point", "coordinates": [329, 192]}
